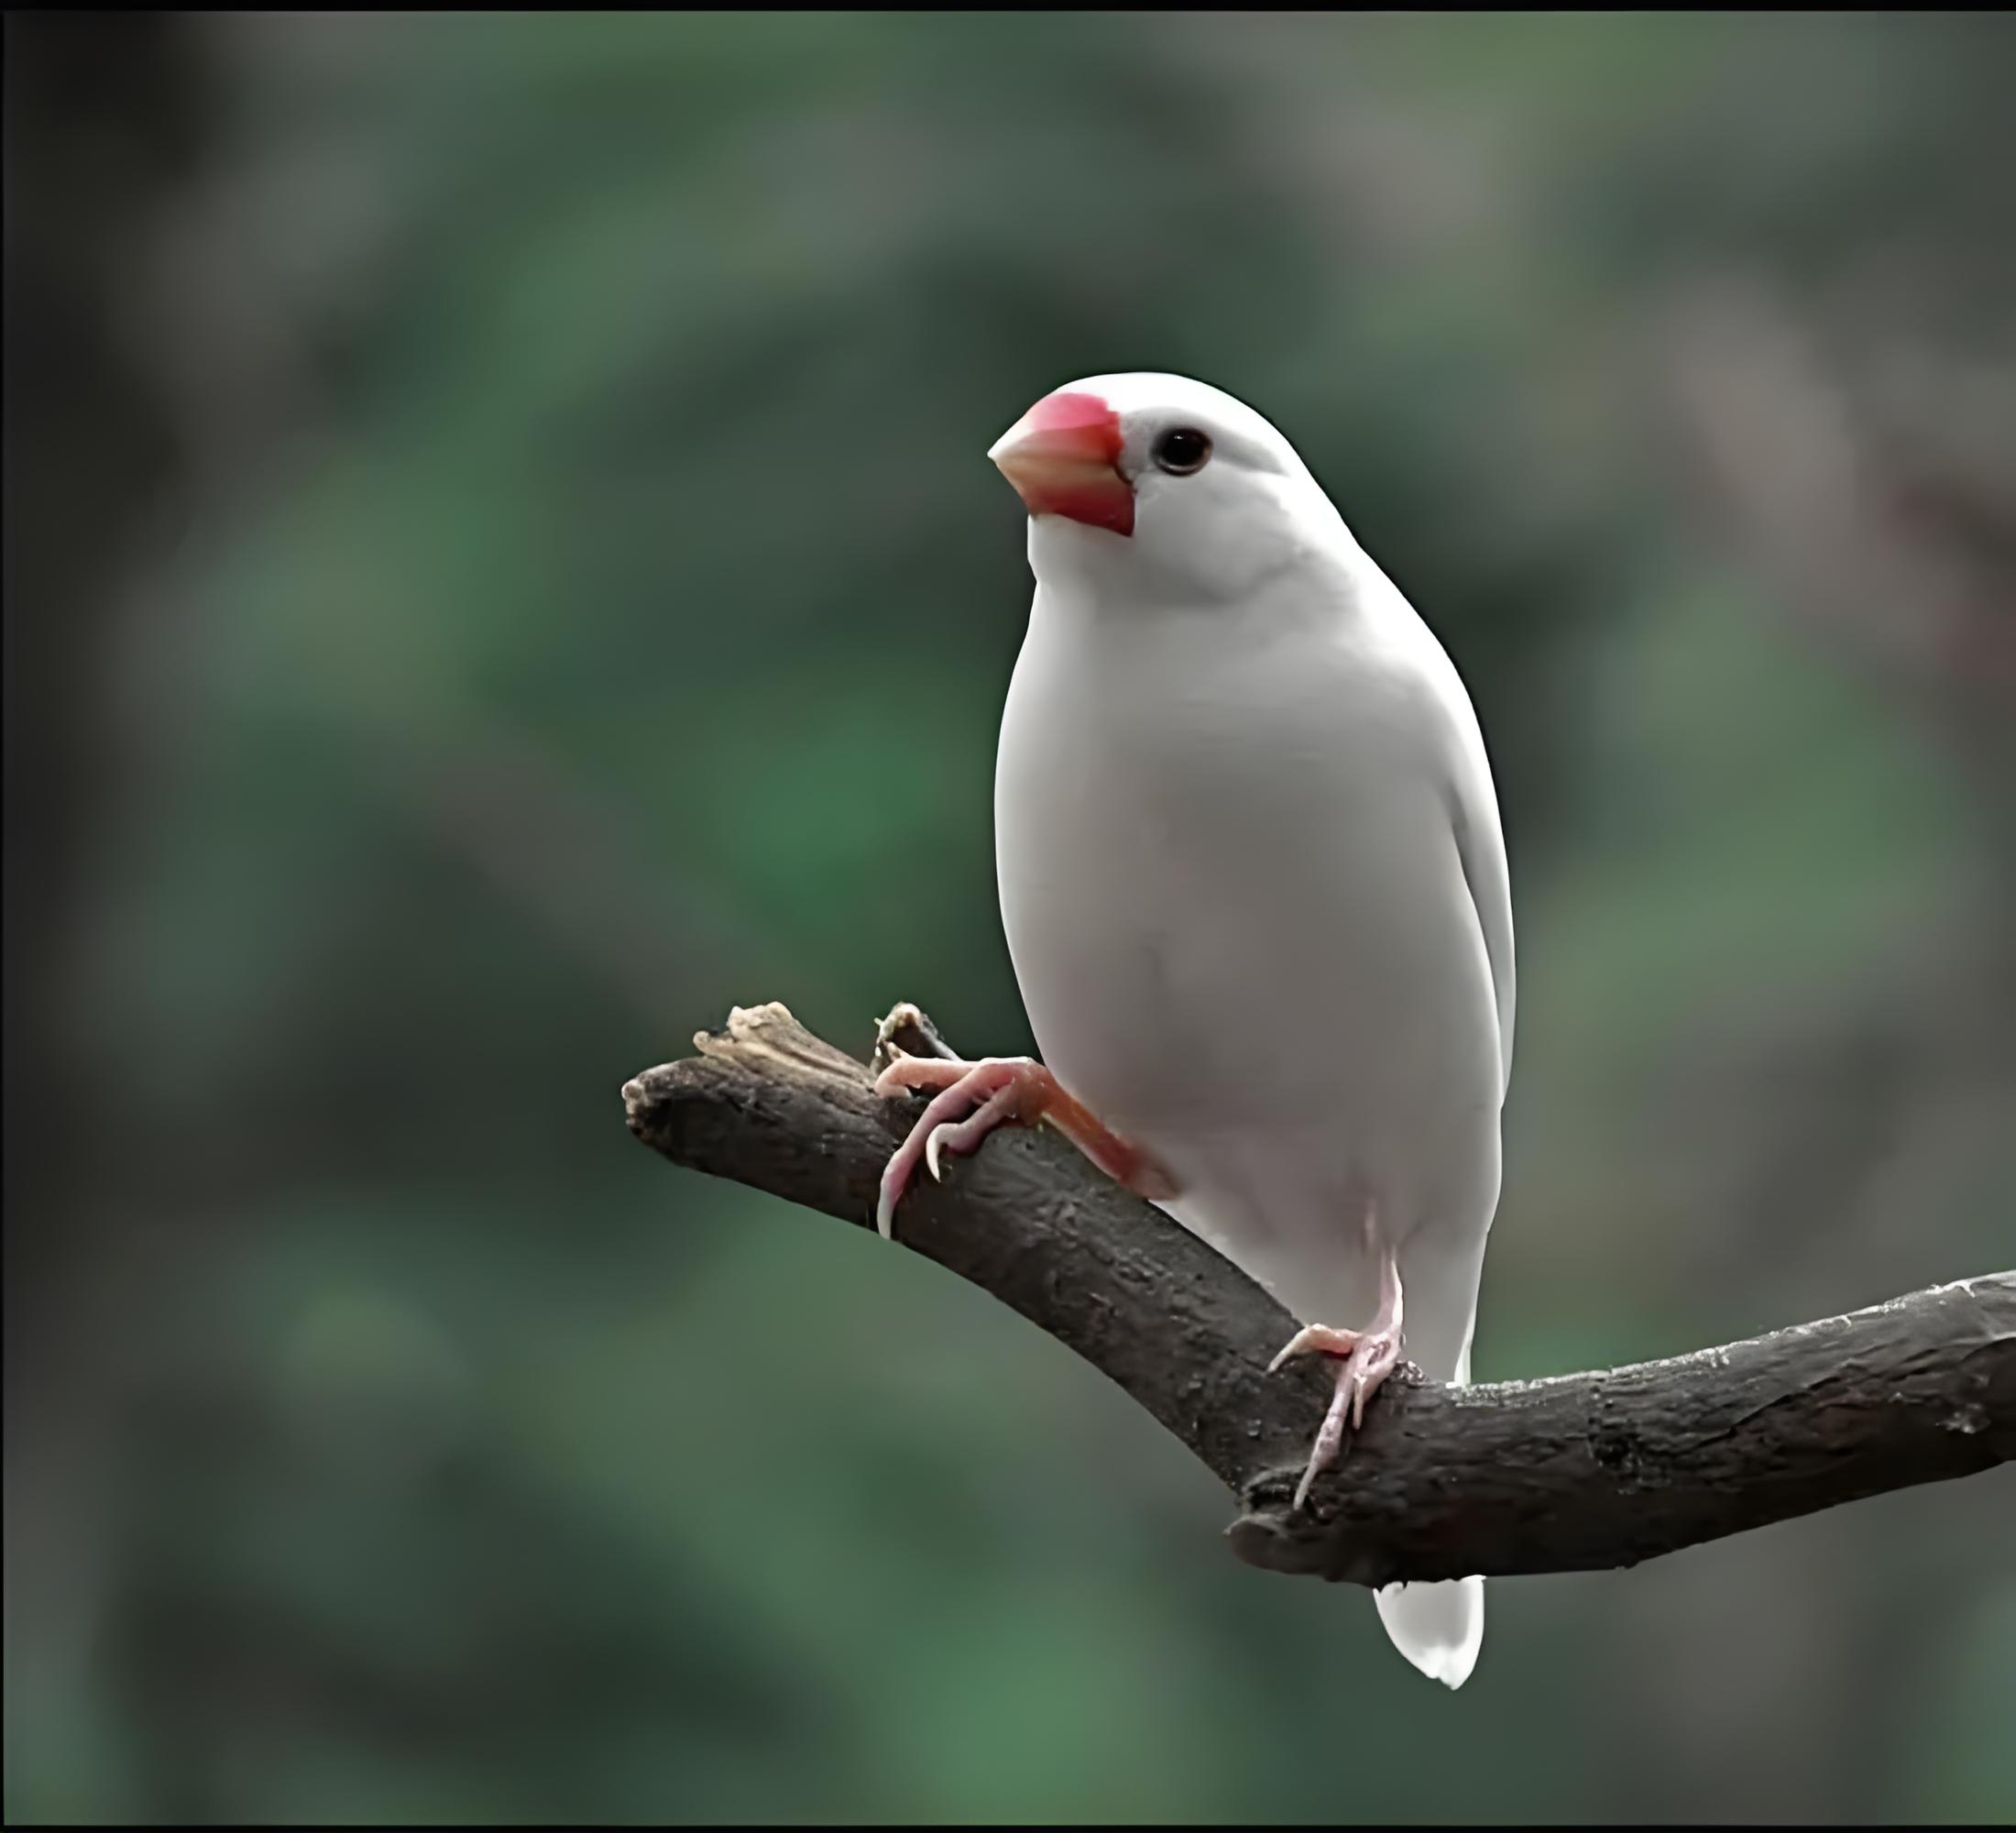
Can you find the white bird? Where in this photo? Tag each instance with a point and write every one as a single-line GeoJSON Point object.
{"type": "Point", "coordinates": [1256, 893]}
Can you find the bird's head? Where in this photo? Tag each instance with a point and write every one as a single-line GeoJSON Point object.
{"type": "Point", "coordinates": [1154, 483]}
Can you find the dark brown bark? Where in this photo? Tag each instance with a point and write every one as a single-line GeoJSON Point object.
{"type": "Point", "coordinates": [1575, 1473]}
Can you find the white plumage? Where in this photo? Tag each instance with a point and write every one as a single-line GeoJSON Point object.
{"type": "Point", "coordinates": [1254, 881]}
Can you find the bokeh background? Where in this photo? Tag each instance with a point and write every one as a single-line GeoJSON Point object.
{"type": "Point", "coordinates": [500, 566]}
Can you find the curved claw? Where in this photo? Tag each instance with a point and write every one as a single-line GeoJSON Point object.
{"type": "Point", "coordinates": [1312, 1337]}
{"type": "Point", "coordinates": [995, 1084]}
{"type": "Point", "coordinates": [885, 1201]}
{"type": "Point", "coordinates": [1001, 1108]}
{"type": "Point", "coordinates": [1330, 1439]}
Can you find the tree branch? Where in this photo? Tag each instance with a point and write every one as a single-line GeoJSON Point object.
{"type": "Point", "coordinates": [1575, 1473]}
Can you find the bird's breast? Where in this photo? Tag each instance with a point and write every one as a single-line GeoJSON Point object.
{"type": "Point", "coordinates": [1235, 907]}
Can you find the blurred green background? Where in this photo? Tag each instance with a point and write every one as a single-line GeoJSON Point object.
{"type": "Point", "coordinates": [500, 566]}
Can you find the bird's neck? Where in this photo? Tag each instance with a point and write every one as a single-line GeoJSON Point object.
{"type": "Point", "coordinates": [1100, 580]}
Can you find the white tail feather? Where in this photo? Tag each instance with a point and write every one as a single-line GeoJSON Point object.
{"type": "Point", "coordinates": [1438, 1628]}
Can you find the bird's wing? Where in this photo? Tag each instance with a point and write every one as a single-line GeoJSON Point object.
{"type": "Point", "coordinates": [1456, 755]}
{"type": "Point", "coordinates": [1480, 844]}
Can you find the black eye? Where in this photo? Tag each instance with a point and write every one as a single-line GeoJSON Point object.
{"type": "Point", "coordinates": [1181, 450]}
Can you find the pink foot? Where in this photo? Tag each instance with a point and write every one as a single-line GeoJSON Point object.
{"type": "Point", "coordinates": [975, 1098]}
{"type": "Point", "coordinates": [1368, 1357]}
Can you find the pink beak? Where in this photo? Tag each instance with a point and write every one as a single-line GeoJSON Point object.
{"type": "Point", "coordinates": [1062, 457]}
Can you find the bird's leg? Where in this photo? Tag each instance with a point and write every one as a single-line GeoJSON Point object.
{"type": "Point", "coordinates": [1001, 1091]}
{"type": "Point", "coordinates": [1367, 1357]}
